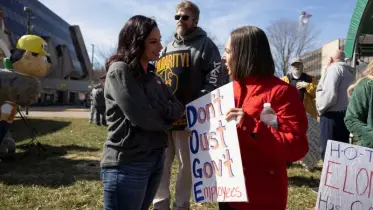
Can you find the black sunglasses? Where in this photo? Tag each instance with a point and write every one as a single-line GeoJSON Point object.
{"type": "Point", "coordinates": [183, 17]}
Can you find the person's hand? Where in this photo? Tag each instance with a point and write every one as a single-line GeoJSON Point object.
{"type": "Point", "coordinates": [235, 113]}
{"type": "Point", "coordinates": [301, 85]}
{"type": "Point", "coordinates": [187, 129]}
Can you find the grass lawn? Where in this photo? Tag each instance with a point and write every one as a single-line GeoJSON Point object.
{"type": "Point", "coordinates": [66, 175]}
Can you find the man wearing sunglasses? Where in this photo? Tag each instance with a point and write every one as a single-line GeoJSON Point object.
{"type": "Point", "coordinates": [191, 66]}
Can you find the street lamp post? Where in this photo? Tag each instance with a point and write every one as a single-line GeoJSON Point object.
{"type": "Point", "coordinates": [28, 12]}
{"type": "Point", "coordinates": [93, 51]}
{"type": "Point", "coordinates": [91, 75]}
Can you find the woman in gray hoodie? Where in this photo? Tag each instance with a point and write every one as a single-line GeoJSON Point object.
{"type": "Point", "coordinates": [139, 109]}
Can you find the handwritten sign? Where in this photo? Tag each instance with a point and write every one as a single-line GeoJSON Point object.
{"type": "Point", "coordinates": [347, 178]}
{"type": "Point", "coordinates": [214, 149]}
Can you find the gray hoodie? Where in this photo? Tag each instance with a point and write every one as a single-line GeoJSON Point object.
{"type": "Point", "coordinates": [331, 92]}
{"type": "Point", "coordinates": [137, 125]}
{"type": "Point", "coordinates": [191, 67]}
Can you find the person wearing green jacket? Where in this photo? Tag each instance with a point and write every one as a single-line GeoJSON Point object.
{"type": "Point", "coordinates": [359, 114]}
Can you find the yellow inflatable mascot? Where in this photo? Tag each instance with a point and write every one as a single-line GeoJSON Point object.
{"type": "Point", "coordinates": [19, 83]}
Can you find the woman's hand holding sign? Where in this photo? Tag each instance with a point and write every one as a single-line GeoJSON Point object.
{"type": "Point", "coordinates": [189, 131]}
{"type": "Point", "coordinates": [235, 113]}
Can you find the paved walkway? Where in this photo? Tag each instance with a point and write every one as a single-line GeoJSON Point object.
{"type": "Point", "coordinates": [57, 112]}
{"type": "Point", "coordinates": [59, 109]}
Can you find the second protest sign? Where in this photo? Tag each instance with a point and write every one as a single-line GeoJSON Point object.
{"type": "Point", "coordinates": [214, 149]}
{"type": "Point", "coordinates": [347, 178]}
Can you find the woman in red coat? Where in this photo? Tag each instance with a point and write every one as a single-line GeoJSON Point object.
{"type": "Point", "coordinates": [265, 150]}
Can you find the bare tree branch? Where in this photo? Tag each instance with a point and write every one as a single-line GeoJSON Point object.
{"type": "Point", "coordinates": [104, 55]}
{"type": "Point", "coordinates": [98, 70]}
{"type": "Point", "coordinates": [217, 42]}
{"type": "Point", "coordinates": [288, 40]}
{"type": "Point", "coordinates": [220, 45]}
{"type": "Point", "coordinates": [101, 57]}
{"type": "Point", "coordinates": [170, 38]}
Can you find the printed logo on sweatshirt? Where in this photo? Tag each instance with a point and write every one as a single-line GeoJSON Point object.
{"type": "Point", "coordinates": [172, 67]}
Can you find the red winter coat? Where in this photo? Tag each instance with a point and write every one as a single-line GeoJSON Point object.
{"type": "Point", "coordinates": [265, 150]}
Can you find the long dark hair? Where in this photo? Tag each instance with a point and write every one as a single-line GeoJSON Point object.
{"type": "Point", "coordinates": [251, 53]}
{"type": "Point", "coordinates": [131, 42]}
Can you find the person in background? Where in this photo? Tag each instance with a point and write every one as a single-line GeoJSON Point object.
{"type": "Point", "coordinates": [305, 84]}
{"type": "Point", "coordinates": [359, 114]}
{"type": "Point", "coordinates": [99, 103]}
{"type": "Point", "coordinates": [190, 66]}
{"type": "Point", "coordinates": [139, 109]}
{"type": "Point", "coordinates": [265, 146]}
{"type": "Point", "coordinates": [332, 100]}
{"type": "Point", "coordinates": [82, 99]}
{"type": "Point", "coordinates": [8, 111]}
{"type": "Point", "coordinates": [92, 110]}
{"type": "Point", "coordinates": [93, 94]}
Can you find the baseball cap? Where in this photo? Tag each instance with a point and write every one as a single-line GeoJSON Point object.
{"type": "Point", "coordinates": [296, 60]}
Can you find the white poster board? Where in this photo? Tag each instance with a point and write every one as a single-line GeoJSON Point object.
{"type": "Point", "coordinates": [214, 149]}
{"type": "Point", "coordinates": [347, 178]}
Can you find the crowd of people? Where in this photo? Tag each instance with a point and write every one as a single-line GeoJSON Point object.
{"type": "Point", "coordinates": [328, 99]}
{"type": "Point", "coordinates": [144, 106]}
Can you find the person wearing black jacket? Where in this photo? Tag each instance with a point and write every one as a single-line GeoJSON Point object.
{"type": "Point", "coordinates": [99, 103]}
{"type": "Point", "coordinates": [191, 66]}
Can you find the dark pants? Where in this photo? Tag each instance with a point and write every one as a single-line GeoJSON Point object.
{"type": "Point", "coordinates": [225, 206]}
{"type": "Point", "coordinates": [332, 127]}
{"type": "Point", "coordinates": [4, 129]}
{"type": "Point", "coordinates": [133, 186]}
{"type": "Point", "coordinates": [100, 116]}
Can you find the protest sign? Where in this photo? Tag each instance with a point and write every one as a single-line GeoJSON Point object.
{"type": "Point", "coordinates": [214, 149]}
{"type": "Point", "coordinates": [313, 135]}
{"type": "Point", "coordinates": [346, 180]}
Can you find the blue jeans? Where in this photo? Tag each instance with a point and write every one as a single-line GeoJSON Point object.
{"type": "Point", "coordinates": [4, 128]}
{"type": "Point", "coordinates": [133, 186]}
